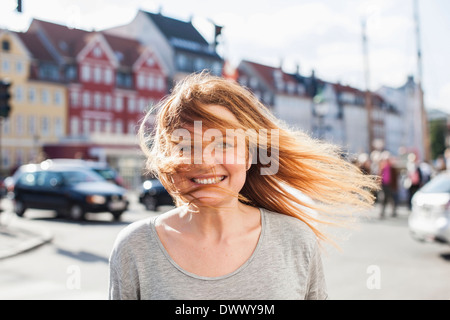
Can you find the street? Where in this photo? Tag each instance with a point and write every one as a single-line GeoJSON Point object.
{"type": "Point", "coordinates": [378, 260]}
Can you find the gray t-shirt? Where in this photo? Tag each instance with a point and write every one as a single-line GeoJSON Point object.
{"type": "Point", "coordinates": [285, 265]}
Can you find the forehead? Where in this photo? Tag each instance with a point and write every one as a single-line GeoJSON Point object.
{"type": "Point", "coordinates": [225, 118]}
{"type": "Point", "coordinates": [221, 111]}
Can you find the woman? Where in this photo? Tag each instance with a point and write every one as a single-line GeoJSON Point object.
{"type": "Point", "coordinates": [236, 232]}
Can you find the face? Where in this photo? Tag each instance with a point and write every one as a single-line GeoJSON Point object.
{"type": "Point", "coordinates": [218, 164]}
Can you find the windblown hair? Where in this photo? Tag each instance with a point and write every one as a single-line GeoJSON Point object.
{"type": "Point", "coordinates": [313, 167]}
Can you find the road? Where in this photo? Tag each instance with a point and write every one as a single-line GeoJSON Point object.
{"type": "Point", "coordinates": [378, 260]}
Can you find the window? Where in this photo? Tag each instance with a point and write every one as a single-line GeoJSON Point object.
{"type": "Point", "coordinates": [18, 94]}
{"type": "Point", "coordinates": [119, 127]}
{"type": "Point", "coordinates": [85, 73]}
{"type": "Point", "coordinates": [32, 125]}
{"type": "Point", "coordinates": [28, 179]}
{"type": "Point", "coordinates": [140, 80]}
{"type": "Point", "coordinates": [182, 62]}
{"type": "Point", "coordinates": [86, 126]}
{"type": "Point", "coordinates": [97, 100]}
{"type": "Point", "coordinates": [57, 98]}
{"type": "Point", "coordinates": [74, 126]}
{"type": "Point", "coordinates": [131, 104]}
{"type": "Point", "coordinates": [19, 67]}
{"type": "Point", "coordinates": [71, 72]}
{"type": "Point", "coordinates": [131, 127]}
{"type": "Point", "coordinates": [6, 46]}
{"type": "Point", "coordinates": [108, 126]}
{"type": "Point", "coordinates": [45, 126]}
{"type": "Point", "coordinates": [160, 83]}
{"type": "Point", "coordinates": [108, 76]}
{"type": "Point", "coordinates": [97, 74]}
{"type": "Point", "coordinates": [19, 125]}
{"type": "Point", "coordinates": [45, 96]}
{"type": "Point", "coordinates": [97, 52]}
{"type": "Point", "coordinates": [150, 61]}
{"type": "Point", "coordinates": [74, 98]}
{"type": "Point", "coordinates": [86, 99]}
{"type": "Point", "coordinates": [108, 101]}
{"type": "Point", "coordinates": [6, 126]}
{"type": "Point", "coordinates": [97, 126]}
{"type": "Point", "coordinates": [119, 103]}
{"type": "Point", "coordinates": [58, 127]}
{"type": "Point", "coordinates": [142, 105]}
{"type": "Point", "coordinates": [5, 65]}
{"type": "Point", "coordinates": [150, 82]}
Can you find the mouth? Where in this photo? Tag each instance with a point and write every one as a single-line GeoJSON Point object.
{"type": "Point", "coordinates": [209, 180]}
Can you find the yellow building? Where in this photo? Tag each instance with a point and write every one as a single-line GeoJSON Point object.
{"type": "Point", "coordinates": [38, 103]}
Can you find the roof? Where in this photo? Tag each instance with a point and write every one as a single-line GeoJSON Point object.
{"type": "Point", "coordinates": [182, 35]}
{"type": "Point", "coordinates": [172, 28]}
{"type": "Point", "coordinates": [127, 50]}
{"type": "Point", "coordinates": [67, 41]}
{"type": "Point", "coordinates": [35, 46]}
{"type": "Point", "coordinates": [274, 77]}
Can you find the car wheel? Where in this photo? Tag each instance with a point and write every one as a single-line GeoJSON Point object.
{"type": "Point", "coordinates": [150, 203]}
{"type": "Point", "coordinates": [19, 208]}
{"type": "Point", "coordinates": [116, 215]}
{"type": "Point", "coordinates": [76, 212]}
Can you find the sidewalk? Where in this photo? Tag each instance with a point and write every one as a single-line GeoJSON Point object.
{"type": "Point", "coordinates": [16, 236]}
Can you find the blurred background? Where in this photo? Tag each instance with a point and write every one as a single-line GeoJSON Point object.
{"type": "Point", "coordinates": [76, 78]}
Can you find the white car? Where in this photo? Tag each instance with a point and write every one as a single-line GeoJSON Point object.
{"type": "Point", "coordinates": [430, 216]}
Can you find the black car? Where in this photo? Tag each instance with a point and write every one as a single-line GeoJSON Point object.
{"type": "Point", "coordinates": [70, 191]}
{"type": "Point", "coordinates": [153, 195]}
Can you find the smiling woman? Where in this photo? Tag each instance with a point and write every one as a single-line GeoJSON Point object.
{"type": "Point", "coordinates": [237, 233]}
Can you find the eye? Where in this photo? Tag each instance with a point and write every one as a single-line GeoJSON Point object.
{"type": "Point", "coordinates": [224, 145]}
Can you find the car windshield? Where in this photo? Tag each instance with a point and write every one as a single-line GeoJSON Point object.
{"type": "Point", "coordinates": [440, 184]}
{"type": "Point", "coordinates": [74, 177]}
{"type": "Point", "coordinates": [108, 174]}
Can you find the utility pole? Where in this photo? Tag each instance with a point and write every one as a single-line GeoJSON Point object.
{"type": "Point", "coordinates": [425, 132]}
{"type": "Point", "coordinates": [368, 95]}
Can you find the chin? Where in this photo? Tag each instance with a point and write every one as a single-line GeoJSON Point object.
{"type": "Point", "coordinates": [211, 201]}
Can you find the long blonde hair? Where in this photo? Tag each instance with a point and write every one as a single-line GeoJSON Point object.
{"type": "Point", "coordinates": [313, 167]}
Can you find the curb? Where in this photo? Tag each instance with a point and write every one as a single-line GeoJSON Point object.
{"type": "Point", "coordinates": [29, 240]}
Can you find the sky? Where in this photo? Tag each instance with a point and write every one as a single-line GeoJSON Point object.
{"type": "Point", "coordinates": [320, 35]}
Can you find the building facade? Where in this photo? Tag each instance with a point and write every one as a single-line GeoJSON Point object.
{"type": "Point", "coordinates": [84, 95]}
{"type": "Point", "coordinates": [38, 103]}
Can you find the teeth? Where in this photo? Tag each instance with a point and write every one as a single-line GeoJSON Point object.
{"type": "Point", "coordinates": [209, 180]}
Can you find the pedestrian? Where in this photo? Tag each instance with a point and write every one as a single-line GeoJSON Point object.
{"type": "Point", "coordinates": [389, 184]}
{"type": "Point", "coordinates": [236, 232]}
{"type": "Point", "coordinates": [414, 178]}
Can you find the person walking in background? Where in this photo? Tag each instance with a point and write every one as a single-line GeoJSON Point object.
{"type": "Point", "coordinates": [414, 179]}
{"type": "Point", "coordinates": [389, 184]}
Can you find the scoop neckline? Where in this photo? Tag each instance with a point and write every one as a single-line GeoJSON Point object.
{"type": "Point", "coordinates": [199, 277]}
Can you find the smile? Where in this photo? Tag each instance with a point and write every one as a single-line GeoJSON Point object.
{"type": "Point", "coordinates": [212, 180]}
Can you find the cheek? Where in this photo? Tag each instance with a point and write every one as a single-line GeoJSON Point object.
{"type": "Point", "coordinates": [238, 174]}
{"type": "Point", "coordinates": [234, 157]}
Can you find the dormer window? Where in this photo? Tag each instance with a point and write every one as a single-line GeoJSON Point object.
{"type": "Point", "coordinates": [6, 45]}
{"type": "Point", "coordinates": [97, 52]}
{"type": "Point", "coordinates": [119, 55]}
{"type": "Point", "coordinates": [63, 45]}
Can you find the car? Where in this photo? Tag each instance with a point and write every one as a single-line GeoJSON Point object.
{"type": "Point", "coordinates": [70, 191]}
{"type": "Point", "coordinates": [430, 216]}
{"type": "Point", "coordinates": [153, 194]}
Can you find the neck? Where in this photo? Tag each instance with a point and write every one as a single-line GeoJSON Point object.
{"type": "Point", "coordinates": [217, 223]}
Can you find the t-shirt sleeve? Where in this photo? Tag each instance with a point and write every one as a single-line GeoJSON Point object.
{"type": "Point", "coordinates": [316, 286]}
{"type": "Point", "coordinates": [123, 274]}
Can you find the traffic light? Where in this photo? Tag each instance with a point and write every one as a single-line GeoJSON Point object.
{"type": "Point", "coordinates": [19, 6]}
{"type": "Point", "coordinates": [5, 96]}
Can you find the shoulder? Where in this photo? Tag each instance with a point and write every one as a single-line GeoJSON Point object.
{"type": "Point", "coordinates": [131, 238]}
{"type": "Point", "coordinates": [289, 229]}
